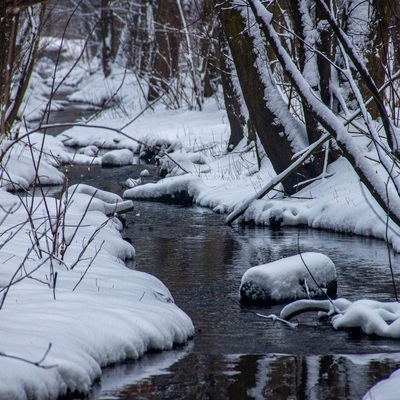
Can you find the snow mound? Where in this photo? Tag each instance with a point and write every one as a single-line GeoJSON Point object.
{"type": "Point", "coordinates": [131, 183]}
{"type": "Point", "coordinates": [387, 389]}
{"type": "Point", "coordinates": [304, 275]}
{"type": "Point", "coordinates": [90, 151]}
{"type": "Point", "coordinates": [186, 187]}
{"type": "Point", "coordinates": [82, 309]}
{"type": "Point", "coordinates": [371, 316]}
{"type": "Point", "coordinates": [117, 158]}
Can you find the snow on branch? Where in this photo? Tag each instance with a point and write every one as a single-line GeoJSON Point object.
{"type": "Point", "coordinates": [365, 75]}
{"type": "Point", "coordinates": [386, 198]}
{"type": "Point", "coordinates": [371, 316]}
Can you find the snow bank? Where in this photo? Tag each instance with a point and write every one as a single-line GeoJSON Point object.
{"type": "Point", "coordinates": [301, 276]}
{"type": "Point", "coordinates": [22, 163]}
{"type": "Point", "coordinates": [387, 389]}
{"type": "Point", "coordinates": [96, 312]}
{"type": "Point", "coordinates": [184, 187]}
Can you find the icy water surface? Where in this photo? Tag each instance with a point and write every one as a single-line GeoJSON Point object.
{"type": "Point", "coordinates": [236, 354]}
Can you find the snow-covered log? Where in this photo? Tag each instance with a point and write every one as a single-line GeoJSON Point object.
{"type": "Point", "coordinates": [329, 307]}
{"type": "Point", "coordinates": [370, 316]}
{"type": "Point", "coordinates": [307, 275]}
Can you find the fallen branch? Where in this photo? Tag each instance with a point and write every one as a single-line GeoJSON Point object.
{"type": "Point", "coordinates": [302, 306]}
{"type": "Point", "coordinates": [273, 317]}
{"type": "Point", "coordinates": [330, 307]}
{"type": "Point", "coordinates": [275, 181]}
{"type": "Point", "coordinates": [276, 318]}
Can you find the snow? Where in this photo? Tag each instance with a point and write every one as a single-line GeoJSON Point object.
{"type": "Point", "coordinates": [371, 316]}
{"type": "Point", "coordinates": [387, 389]}
{"type": "Point", "coordinates": [19, 166]}
{"type": "Point", "coordinates": [112, 314]}
{"type": "Point", "coordinates": [303, 275]}
{"type": "Point", "coordinates": [117, 158]}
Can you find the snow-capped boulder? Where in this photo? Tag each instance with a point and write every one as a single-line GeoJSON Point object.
{"type": "Point", "coordinates": [309, 275]}
{"type": "Point", "coordinates": [117, 158]}
{"type": "Point", "coordinates": [90, 151]}
{"type": "Point", "coordinates": [145, 173]}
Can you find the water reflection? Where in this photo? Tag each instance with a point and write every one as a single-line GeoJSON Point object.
{"type": "Point", "coordinates": [273, 376]}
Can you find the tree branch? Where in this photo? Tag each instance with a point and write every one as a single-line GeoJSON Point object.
{"type": "Point", "coordinates": [15, 6]}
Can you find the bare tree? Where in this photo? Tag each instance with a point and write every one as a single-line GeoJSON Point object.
{"type": "Point", "coordinates": [20, 29]}
{"type": "Point", "coordinates": [280, 133]}
{"type": "Point", "coordinates": [167, 22]}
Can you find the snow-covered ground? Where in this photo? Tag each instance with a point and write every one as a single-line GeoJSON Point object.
{"type": "Point", "coordinates": [69, 305]}
{"type": "Point", "coordinates": [115, 313]}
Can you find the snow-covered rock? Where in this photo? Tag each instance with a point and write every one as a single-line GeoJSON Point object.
{"type": "Point", "coordinates": [117, 158]}
{"type": "Point", "coordinates": [91, 151]}
{"type": "Point", "coordinates": [131, 183]}
{"type": "Point", "coordinates": [90, 198]}
{"type": "Point", "coordinates": [306, 275]}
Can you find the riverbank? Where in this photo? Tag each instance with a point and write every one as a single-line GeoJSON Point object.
{"type": "Point", "coordinates": [69, 306]}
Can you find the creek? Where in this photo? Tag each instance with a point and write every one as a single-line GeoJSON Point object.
{"type": "Point", "coordinates": [236, 354]}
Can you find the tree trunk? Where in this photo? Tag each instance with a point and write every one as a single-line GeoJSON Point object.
{"type": "Point", "coordinates": [17, 57]}
{"type": "Point", "coordinates": [232, 98]}
{"type": "Point", "coordinates": [310, 67]}
{"type": "Point", "coordinates": [387, 199]}
{"type": "Point", "coordinates": [208, 56]}
{"type": "Point", "coordinates": [8, 37]}
{"type": "Point", "coordinates": [108, 37]}
{"type": "Point", "coordinates": [166, 59]}
{"type": "Point", "coordinates": [279, 133]}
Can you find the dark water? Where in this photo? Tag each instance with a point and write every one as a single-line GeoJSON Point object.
{"type": "Point", "coordinates": [70, 112]}
{"type": "Point", "coordinates": [236, 354]}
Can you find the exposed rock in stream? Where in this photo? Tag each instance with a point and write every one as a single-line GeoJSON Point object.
{"type": "Point", "coordinates": [307, 275]}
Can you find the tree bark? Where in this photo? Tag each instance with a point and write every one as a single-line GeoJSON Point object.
{"type": "Point", "coordinates": [233, 106]}
{"type": "Point", "coordinates": [108, 36]}
{"type": "Point", "coordinates": [386, 199]}
{"type": "Point", "coordinates": [15, 6]}
{"type": "Point", "coordinates": [280, 135]}
{"type": "Point", "coordinates": [166, 59]}
{"type": "Point", "coordinates": [8, 37]}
